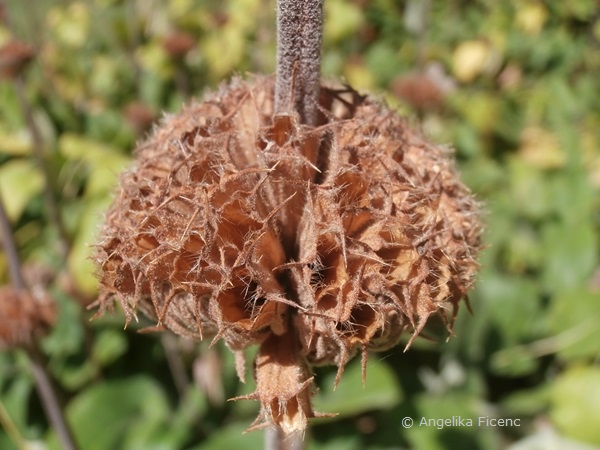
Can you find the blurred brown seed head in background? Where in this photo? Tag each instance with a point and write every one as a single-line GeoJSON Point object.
{"type": "Point", "coordinates": [24, 317]}
{"type": "Point", "coordinates": [179, 43]}
{"type": "Point", "coordinates": [14, 58]}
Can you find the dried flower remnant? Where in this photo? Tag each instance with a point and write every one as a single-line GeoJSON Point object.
{"type": "Point", "coordinates": [314, 242]}
{"type": "Point", "coordinates": [25, 317]}
{"type": "Point", "coordinates": [424, 90]}
{"type": "Point", "coordinates": [139, 116]}
{"type": "Point", "coordinates": [178, 44]}
{"type": "Point", "coordinates": [14, 58]}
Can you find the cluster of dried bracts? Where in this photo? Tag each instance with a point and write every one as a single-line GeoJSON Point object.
{"type": "Point", "coordinates": [26, 317]}
{"type": "Point", "coordinates": [314, 242]}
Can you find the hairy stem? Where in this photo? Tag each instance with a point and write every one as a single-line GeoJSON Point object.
{"type": "Point", "coordinates": [299, 38]}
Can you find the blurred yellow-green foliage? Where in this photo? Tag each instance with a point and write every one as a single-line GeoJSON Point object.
{"type": "Point", "coordinates": [513, 86]}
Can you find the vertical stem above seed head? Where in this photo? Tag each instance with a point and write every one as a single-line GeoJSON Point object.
{"type": "Point", "coordinates": [299, 38]}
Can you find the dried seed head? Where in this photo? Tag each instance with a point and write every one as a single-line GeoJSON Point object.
{"type": "Point", "coordinates": [24, 317]}
{"type": "Point", "coordinates": [425, 90]}
{"type": "Point", "coordinates": [178, 44]}
{"type": "Point", "coordinates": [139, 115]}
{"type": "Point", "coordinates": [316, 242]}
{"type": "Point", "coordinates": [14, 57]}
{"type": "Point", "coordinates": [418, 91]}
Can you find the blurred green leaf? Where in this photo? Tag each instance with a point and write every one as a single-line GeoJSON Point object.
{"type": "Point", "coordinates": [381, 390]}
{"type": "Point", "coordinates": [80, 263]}
{"type": "Point", "coordinates": [109, 345]}
{"type": "Point", "coordinates": [15, 143]}
{"type": "Point", "coordinates": [528, 402]}
{"type": "Point", "coordinates": [528, 188]}
{"type": "Point", "coordinates": [454, 407]}
{"type": "Point", "coordinates": [91, 151]}
{"type": "Point", "coordinates": [337, 443]}
{"type": "Point", "coordinates": [343, 19]}
{"type": "Point", "coordinates": [480, 109]}
{"type": "Point", "coordinates": [20, 181]}
{"type": "Point", "coordinates": [104, 415]}
{"type": "Point", "coordinates": [575, 395]}
{"type": "Point", "coordinates": [233, 437]}
{"type": "Point", "coordinates": [242, 16]}
{"type": "Point", "coordinates": [574, 321]}
{"type": "Point", "coordinates": [570, 254]}
{"type": "Point", "coordinates": [70, 25]}
{"type": "Point", "coordinates": [16, 401]}
{"type": "Point", "coordinates": [66, 337]}
{"type": "Point", "coordinates": [513, 306]}
{"type": "Point", "coordinates": [514, 362]}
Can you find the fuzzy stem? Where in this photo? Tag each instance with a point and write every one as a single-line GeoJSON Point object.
{"type": "Point", "coordinates": [299, 38]}
{"type": "Point", "coordinates": [276, 439]}
{"type": "Point", "coordinates": [50, 400]}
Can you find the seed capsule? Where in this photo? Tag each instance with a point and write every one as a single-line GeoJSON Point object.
{"type": "Point", "coordinates": [252, 228]}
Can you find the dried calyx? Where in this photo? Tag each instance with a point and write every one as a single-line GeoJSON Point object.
{"type": "Point", "coordinates": [25, 317]}
{"type": "Point", "coordinates": [314, 242]}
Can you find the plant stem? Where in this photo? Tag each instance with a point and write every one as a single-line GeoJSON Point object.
{"type": "Point", "coordinates": [175, 363]}
{"type": "Point", "coordinates": [36, 358]}
{"type": "Point", "coordinates": [276, 439]}
{"type": "Point", "coordinates": [50, 400]}
{"type": "Point", "coordinates": [298, 77]}
{"type": "Point", "coordinates": [297, 89]}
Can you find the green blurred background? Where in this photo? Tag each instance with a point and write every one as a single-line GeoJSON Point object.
{"type": "Point", "coordinates": [513, 86]}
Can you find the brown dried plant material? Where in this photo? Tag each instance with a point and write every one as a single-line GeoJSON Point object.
{"type": "Point", "coordinates": [178, 44]}
{"type": "Point", "coordinates": [282, 385]}
{"type": "Point", "coordinates": [314, 242]}
{"type": "Point", "coordinates": [139, 116]}
{"type": "Point", "coordinates": [418, 91]}
{"type": "Point", "coordinates": [24, 317]}
{"type": "Point", "coordinates": [14, 57]}
{"type": "Point", "coordinates": [425, 90]}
